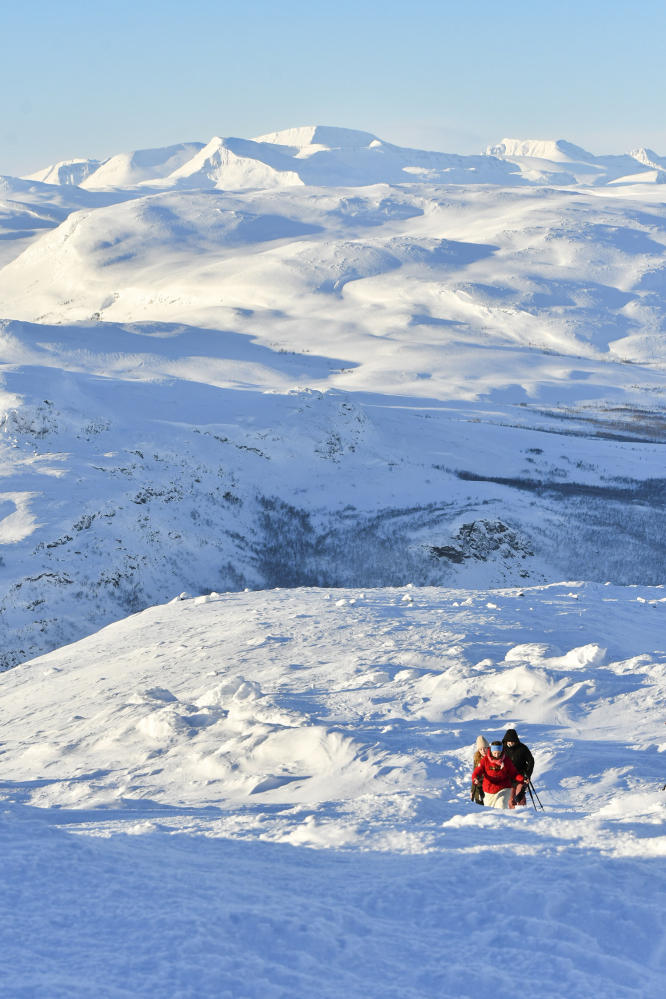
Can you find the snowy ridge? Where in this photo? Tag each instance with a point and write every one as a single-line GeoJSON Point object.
{"type": "Point", "coordinates": [321, 155]}
{"type": "Point", "coordinates": [542, 162]}
{"type": "Point", "coordinates": [68, 172]}
{"type": "Point", "coordinates": [317, 155]}
{"type": "Point", "coordinates": [230, 163]}
{"type": "Point", "coordinates": [27, 207]}
{"type": "Point", "coordinates": [320, 136]}
{"type": "Point", "coordinates": [129, 169]}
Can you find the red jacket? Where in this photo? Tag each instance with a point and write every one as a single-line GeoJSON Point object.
{"type": "Point", "coordinates": [497, 774]}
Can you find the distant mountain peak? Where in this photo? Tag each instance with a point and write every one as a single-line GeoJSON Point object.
{"type": "Point", "coordinates": [67, 172]}
{"type": "Point", "coordinates": [555, 150]}
{"type": "Point", "coordinates": [649, 158]}
{"type": "Point", "coordinates": [319, 135]}
{"type": "Point", "coordinates": [141, 165]}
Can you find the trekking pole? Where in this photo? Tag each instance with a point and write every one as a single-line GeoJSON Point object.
{"type": "Point", "coordinates": [532, 788]}
{"type": "Point", "coordinates": [531, 796]}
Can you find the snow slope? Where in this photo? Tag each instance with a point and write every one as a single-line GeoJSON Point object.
{"type": "Point", "coordinates": [268, 794]}
{"type": "Point", "coordinates": [578, 273]}
{"type": "Point", "coordinates": [119, 172]}
{"type": "Point", "coordinates": [143, 459]}
{"type": "Point", "coordinates": [68, 172]}
{"type": "Point", "coordinates": [126, 170]}
{"type": "Point", "coordinates": [28, 207]}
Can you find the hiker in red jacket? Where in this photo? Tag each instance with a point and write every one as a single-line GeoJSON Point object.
{"type": "Point", "coordinates": [497, 772]}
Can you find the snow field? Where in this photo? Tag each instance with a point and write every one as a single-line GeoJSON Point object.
{"type": "Point", "coordinates": [183, 917]}
{"type": "Point", "coordinates": [267, 794]}
{"type": "Point", "coordinates": [379, 271]}
{"type": "Point", "coordinates": [289, 697]}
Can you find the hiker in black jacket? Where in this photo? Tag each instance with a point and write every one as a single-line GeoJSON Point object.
{"type": "Point", "coordinates": [522, 760]}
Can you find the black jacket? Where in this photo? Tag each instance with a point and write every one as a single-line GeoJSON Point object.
{"type": "Point", "coordinates": [521, 758]}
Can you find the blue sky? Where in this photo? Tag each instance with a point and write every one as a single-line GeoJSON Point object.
{"type": "Point", "coordinates": [92, 79]}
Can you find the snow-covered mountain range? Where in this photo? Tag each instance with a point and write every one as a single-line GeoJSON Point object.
{"type": "Point", "coordinates": [299, 437]}
{"type": "Point", "coordinates": [324, 156]}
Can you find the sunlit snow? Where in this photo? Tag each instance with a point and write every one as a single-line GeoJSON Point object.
{"type": "Point", "coordinates": [321, 457]}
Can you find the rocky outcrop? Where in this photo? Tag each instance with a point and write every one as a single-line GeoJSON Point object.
{"type": "Point", "coordinates": [482, 540]}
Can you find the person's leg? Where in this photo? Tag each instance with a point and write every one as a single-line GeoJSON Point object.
{"type": "Point", "coordinates": [499, 800]}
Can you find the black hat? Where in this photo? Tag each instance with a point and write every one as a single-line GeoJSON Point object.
{"type": "Point", "coordinates": [511, 736]}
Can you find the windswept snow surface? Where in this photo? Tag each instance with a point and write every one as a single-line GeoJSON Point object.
{"type": "Point", "coordinates": [369, 406]}
{"type": "Point", "coordinates": [267, 794]}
